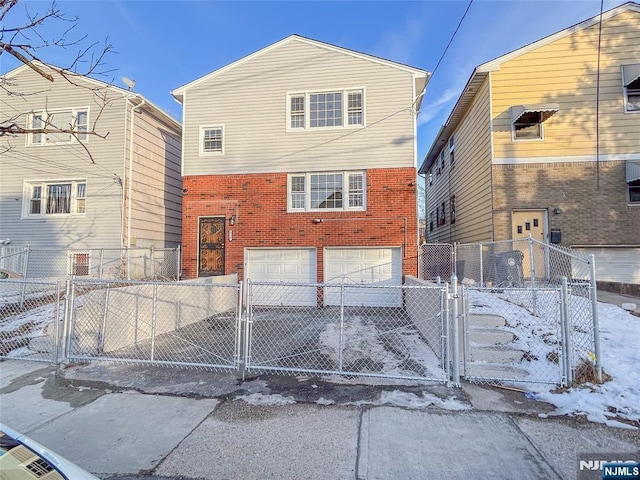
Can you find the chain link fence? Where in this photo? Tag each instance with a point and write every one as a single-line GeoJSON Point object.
{"type": "Point", "coordinates": [400, 340]}
{"type": "Point", "coordinates": [181, 324]}
{"type": "Point", "coordinates": [436, 261]}
{"type": "Point", "coordinates": [530, 312]}
{"type": "Point", "coordinates": [515, 327]}
{"type": "Point", "coordinates": [101, 263]}
{"type": "Point", "coordinates": [30, 314]}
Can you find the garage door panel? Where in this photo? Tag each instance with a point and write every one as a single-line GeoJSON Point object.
{"type": "Point", "coordinates": [373, 266]}
{"type": "Point", "coordinates": [282, 266]}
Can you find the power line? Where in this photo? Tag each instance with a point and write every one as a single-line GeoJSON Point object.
{"type": "Point", "coordinates": [452, 37]}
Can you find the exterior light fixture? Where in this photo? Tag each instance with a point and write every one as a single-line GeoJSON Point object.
{"type": "Point", "coordinates": [232, 220]}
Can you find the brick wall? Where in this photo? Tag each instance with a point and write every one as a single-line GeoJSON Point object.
{"type": "Point", "coordinates": [590, 215]}
{"type": "Point", "coordinates": [259, 203]}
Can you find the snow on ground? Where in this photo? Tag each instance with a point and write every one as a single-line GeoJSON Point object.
{"type": "Point", "coordinates": [399, 398]}
{"type": "Point", "coordinates": [620, 352]}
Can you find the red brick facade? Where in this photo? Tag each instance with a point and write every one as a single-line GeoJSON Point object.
{"type": "Point", "coordinates": [259, 204]}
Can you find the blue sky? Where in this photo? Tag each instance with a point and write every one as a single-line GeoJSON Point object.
{"type": "Point", "coordinates": [165, 44]}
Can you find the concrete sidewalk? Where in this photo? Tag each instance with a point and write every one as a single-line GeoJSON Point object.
{"type": "Point", "coordinates": [119, 421]}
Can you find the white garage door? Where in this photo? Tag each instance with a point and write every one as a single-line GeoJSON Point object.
{"type": "Point", "coordinates": [289, 265]}
{"type": "Point", "coordinates": [376, 266]}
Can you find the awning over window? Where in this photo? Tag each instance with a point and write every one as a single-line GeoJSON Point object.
{"type": "Point", "coordinates": [633, 170]}
{"type": "Point", "coordinates": [546, 109]}
{"type": "Point", "coordinates": [630, 73]}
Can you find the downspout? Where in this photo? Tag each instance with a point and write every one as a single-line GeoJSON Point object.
{"type": "Point", "coordinates": [130, 187]}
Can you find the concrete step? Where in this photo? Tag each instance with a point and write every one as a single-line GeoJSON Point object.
{"type": "Point", "coordinates": [489, 337]}
{"type": "Point", "coordinates": [495, 355]}
{"type": "Point", "coordinates": [486, 321]}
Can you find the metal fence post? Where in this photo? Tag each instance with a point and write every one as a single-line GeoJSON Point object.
{"type": "Point", "coordinates": [178, 262]}
{"type": "Point", "coordinates": [153, 321]}
{"type": "Point", "coordinates": [446, 329]}
{"type": "Point", "coordinates": [596, 321]}
{"type": "Point", "coordinates": [247, 330]}
{"type": "Point", "coordinates": [481, 267]}
{"type": "Point", "coordinates": [101, 266]}
{"type": "Point", "coordinates": [103, 327]}
{"type": "Point", "coordinates": [56, 329]}
{"type": "Point", "coordinates": [239, 324]}
{"type": "Point", "coordinates": [23, 292]}
{"type": "Point", "coordinates": [532, 269]}
{"type": "Point", "coordinates": [153, 263]}
{"type": "Point", "coordinates": [454, 331]}
{"type": "Point", "coordinates": [341, 343]}
{"type": "Point", "coordinates": [67, 326]}
{"type": "Point", "coordinates": [564, 305]}
{"type": "Point", "coordinates": [465, 330]}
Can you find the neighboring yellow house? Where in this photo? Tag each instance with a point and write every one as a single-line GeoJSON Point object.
{"type": "Point", "coordinates": [545, 140]}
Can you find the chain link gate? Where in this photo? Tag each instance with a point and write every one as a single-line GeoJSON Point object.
{"type": "Point", "coordinates": [195, 325]}
{"type": "Point", "coordinates": [405, 339]}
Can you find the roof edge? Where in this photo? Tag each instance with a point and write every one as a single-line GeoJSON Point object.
{"type": "Point", "coordinates": [127, 94]}
{"type": "Point", "coordinates": [494, 64]}
{"type": "Point", "coordinates": [178, 93]}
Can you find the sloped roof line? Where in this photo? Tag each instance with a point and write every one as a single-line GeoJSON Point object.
{"type": "Point", "coordinates": [179, 92]}
{"type": "Point", "coordinates": [464, 100]}
{"type": "Point", "coordinates": [100, 83]}
{"type": "Point", "coordinates": [494, 64]}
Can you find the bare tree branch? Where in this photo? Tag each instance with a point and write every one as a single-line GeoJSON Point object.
{"type": "Point", "coordinates": [23, 39]}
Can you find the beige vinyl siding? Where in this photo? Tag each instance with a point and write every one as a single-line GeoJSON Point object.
{"type": "Point", "coordinates": [100, 226]}
{"type": "Point", "coordinates": [565, 72]}
{"type": "Point", "coordinates": [157, 187]}
{"type": "Point", "coordinates": [470, 178]}
{"type": "Point", "coordinates": [250, 100]}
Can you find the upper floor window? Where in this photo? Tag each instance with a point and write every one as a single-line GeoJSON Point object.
{"type": "Point", "coordinates": [212, 140]}
{"type": "Point", "coordinates": [58, 126]}
{"type": "Point", "coordinates": [452, 209]}
{"type": "Point", "coordinates": [326, 191]}
{"type": "Point", "coordinates": [527, 120]}
{"type": "Point", "coordinates": [331, 109]}
{"type": "Point", "coordinates": [441, 164]}
{"type": "Point", "coordinates": [54, 198]}
{"type": "Point", "coordinates": [631, 83]}
{"type": "Point", "coordinates": [451, 153]}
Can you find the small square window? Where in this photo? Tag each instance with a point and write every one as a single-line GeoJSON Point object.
{"type": "Point", "coordinates": [212, 140]}
{"type": "Point", "coordinates": [528, 126]}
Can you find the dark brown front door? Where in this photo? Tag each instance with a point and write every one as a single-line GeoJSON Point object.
{"type": "Point", "coordinates": [211, 247]}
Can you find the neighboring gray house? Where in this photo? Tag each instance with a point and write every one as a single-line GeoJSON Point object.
{"type": "Point", "coordinates": [53, 194]}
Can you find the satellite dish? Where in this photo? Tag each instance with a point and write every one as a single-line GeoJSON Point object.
{"type": "Point", "coordinates": [129, 83]}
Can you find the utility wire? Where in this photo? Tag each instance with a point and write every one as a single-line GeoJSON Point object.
{"type": "Point", "coordinates": [452, 37]}
{"type": "Point", "coordinates": [598, 101]}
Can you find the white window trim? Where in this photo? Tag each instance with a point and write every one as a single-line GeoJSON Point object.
{"type": "Point", "coordinates": [26, 198]}
{"type": "Point", "coordinates": [201, 140]}
{"type": "Point", "coordinates": [345, 106]}
{"type": "Point", "coordinates": [513, 133]}
{"type": "Point", "coordinates": [345, 189]}
{"type": "Point", "coordinates": [45, 114]}
{"type": "Point", "coordinates": [625, 91]}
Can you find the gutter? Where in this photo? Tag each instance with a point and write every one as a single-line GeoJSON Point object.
{"type": "Point", "coordinates": [130, 186]}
